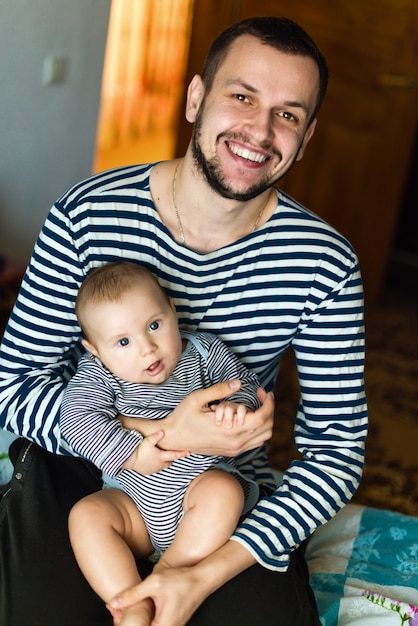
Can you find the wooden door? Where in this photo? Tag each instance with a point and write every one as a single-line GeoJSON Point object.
{"type": "Point", "coordinates": [354, 170]}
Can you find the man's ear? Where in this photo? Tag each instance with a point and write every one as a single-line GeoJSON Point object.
{"type": "Point", "coordinates": [309, 132]}
{"type": "Point", "coordinates": [195, 95]}
{"type": "Point", "coordinates": [89, 346]}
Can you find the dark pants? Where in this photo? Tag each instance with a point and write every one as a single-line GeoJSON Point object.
{"type": "Point", "coordinates": [41, 585]}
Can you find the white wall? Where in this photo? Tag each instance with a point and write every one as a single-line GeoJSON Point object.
{"type": "Point", "coordinates": [47, 133]}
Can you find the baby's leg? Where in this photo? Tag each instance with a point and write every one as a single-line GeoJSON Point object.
{"type": "Point", "coordinates": [212, 507]}
{"type": "Point", "coordinates": [106, 531]}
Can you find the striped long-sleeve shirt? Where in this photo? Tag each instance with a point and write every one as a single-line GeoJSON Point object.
{"type": "Point", "coordinates": [294, 281]}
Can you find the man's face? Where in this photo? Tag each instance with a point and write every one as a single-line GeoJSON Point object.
{"type": "Point", "coordinates": [254, 122]}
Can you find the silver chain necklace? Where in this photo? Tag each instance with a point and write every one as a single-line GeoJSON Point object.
{"type": "Point", "coordinates": [180, 225]}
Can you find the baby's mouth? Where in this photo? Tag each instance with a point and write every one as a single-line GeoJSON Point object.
{"type": "Point", "coordinates": [155, 368]}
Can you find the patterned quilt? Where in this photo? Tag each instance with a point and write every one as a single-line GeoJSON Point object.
{"type": "Point", "coordinates": [364, 568]}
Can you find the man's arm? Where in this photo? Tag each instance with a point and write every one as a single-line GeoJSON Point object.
{"type": "Point", "coordinates": [38, 352]}
{"type": "Point", "coordinates": [330, 428]}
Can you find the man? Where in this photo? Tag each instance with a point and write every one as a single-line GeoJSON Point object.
{"type": "Point", "coordinates": [246, 262]}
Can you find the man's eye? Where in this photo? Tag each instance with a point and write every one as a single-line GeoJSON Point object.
{"type": "Point", "coordinates": [124, 341]}
{"type": "Point", "coordinates": [154, 326]}
{"type": "Point", "coordinates": [288, 116]}
{"type": "Point", "coordinates": [241, 97]}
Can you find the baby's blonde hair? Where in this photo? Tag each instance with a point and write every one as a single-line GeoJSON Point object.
{"type": "Point", "coordinates": [108, 283]}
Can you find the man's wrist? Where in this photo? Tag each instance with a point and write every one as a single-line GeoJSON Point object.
{"type": "Point", "coordinates": [223, 565]}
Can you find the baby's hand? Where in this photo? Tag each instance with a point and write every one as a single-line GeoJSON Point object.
{"type": "Point", "coordinates": [230, 414]}
{"type": "Point", "coordinates": [148, 458]}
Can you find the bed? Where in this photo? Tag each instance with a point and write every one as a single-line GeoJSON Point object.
{"type": "Point", "coordinates": [363, 564]}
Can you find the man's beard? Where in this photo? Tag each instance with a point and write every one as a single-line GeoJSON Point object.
{"type": "Point", "coordinates": [212, 171]}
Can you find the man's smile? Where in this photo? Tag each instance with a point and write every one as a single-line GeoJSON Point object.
{"type": "Point", "coordinates": [245, 153]}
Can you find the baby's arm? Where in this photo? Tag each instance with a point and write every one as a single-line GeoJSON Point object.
{"type": "Point", "coordinates": [89, 423]}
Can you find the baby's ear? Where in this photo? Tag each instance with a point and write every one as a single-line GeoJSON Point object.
{"type": "Point", "coordinates": [89, 346]}
{"type": "Point", "coordinates": [173, 306]}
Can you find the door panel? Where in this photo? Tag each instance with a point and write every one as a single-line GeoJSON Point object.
{"type": "Point", "coordinates": [354, 170]}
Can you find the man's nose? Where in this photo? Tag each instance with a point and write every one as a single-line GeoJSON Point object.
{"type": "Point", "coordinates": [261, 126]}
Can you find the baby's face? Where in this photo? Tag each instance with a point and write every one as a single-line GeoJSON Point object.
{"type": "Point", "coordinates": [137, 337]}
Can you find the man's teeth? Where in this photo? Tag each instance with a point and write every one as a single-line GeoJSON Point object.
{"type": "Point", "coordinates": [247, 154]}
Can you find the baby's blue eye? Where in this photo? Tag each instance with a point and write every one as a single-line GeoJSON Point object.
{"type": "Point", "coordinates": [124, 341]}
{"type": "Point", "coordinates": [154, 326]}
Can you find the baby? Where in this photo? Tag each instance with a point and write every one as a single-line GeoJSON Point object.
{"type": "Point", "coordinates": [139, 366]}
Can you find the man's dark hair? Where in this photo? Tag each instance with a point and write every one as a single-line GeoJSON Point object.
{"type": "Point", "coordinates": [279, 33]}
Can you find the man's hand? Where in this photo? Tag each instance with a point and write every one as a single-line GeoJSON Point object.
{"type": "Point", "coordinates": [191, 424]}
{"type": "Point", "coordinates": [148, 458]}
{"type": "Point", "coordinates": [178, 592]}
{"type": "Point", "coordinates": [172, 592]}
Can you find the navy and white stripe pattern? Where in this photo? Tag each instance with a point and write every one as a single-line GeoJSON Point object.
{"type": "Point", "coordinates": [94, 397]}
{"type": "Point", "coordinates": [293, 281]}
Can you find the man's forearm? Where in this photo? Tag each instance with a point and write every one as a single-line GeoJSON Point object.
{"type": "Point", "coordinates": [223, 565]}
{"type": "Point", "coordinates": [192, 425]}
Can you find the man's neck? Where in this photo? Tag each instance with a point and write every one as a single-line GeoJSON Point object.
{"type": "Point", "coordinates": [209, 221]}
{"type": "Point", "coordinates": [196, 215]}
